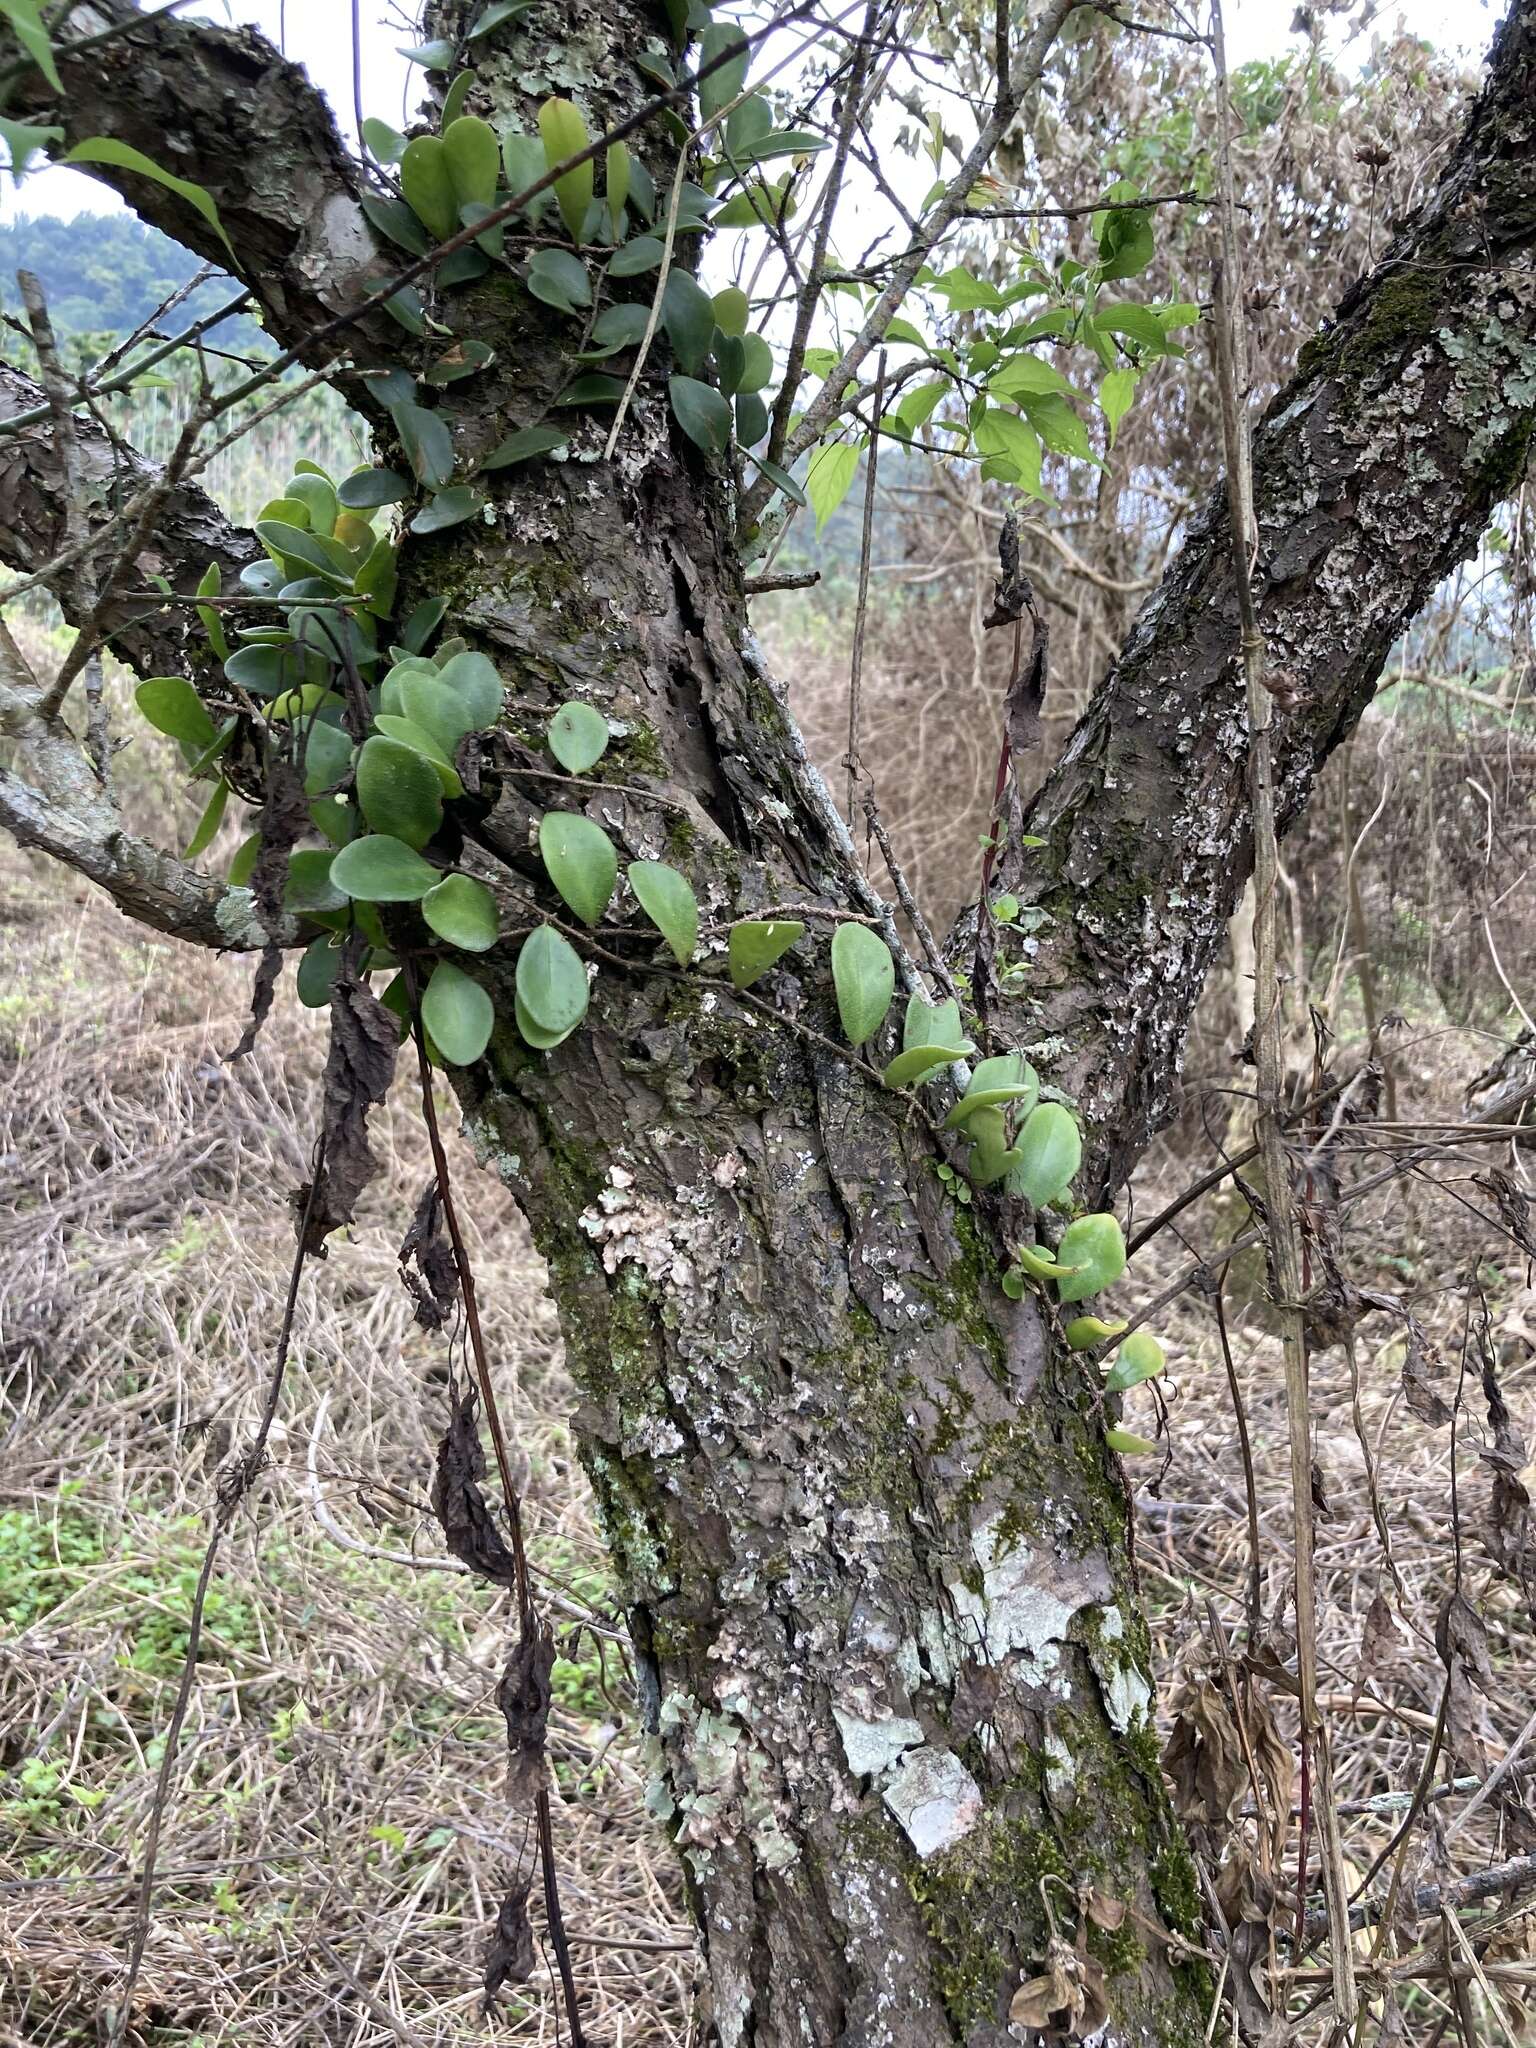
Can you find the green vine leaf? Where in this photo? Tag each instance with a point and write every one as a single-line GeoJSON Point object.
{"type": "Point", "coordinates": [552, 992]}
{"type": "Point", "coordinates": [209, 823]}
{"type": "Point", "coordinates": [1050, 1152]}
{"type": "Point", "coordinates": [524, 445]}
{"type": "Point", "coordinates": [564, 134]}
{"type": "Point", "coordinates": [829, 478]}
{"type": "Point", "coordinates": [427, 186]}
{"type": "Point", "coordinates": [427, 443]}
{"type": "Point", "coordinates": [173, 707]}
{"type": "Point", "coordinates": [380, 869]}
{"type": "Point", "coordinates": [462, 911]}
{"type": "Point", "coordinates": [104, 149]}
{"type": "Point", "coordinates": [473, 157]}
{"type": "Point", "coordinates": [578, 737]}
{"type": "Point", "coordinates": [559, 279]}
{"type": "Point", "coordinates": [1128, 1444]}
{"type": "Point", "coordinates": [474, 681]}
{"type": "Point", "coordinates": [668, 900]}
{"type": "Point", "coordinates": [398, 791]}
{"type": "Point", "coordinates": [1084, 1333]}
{"type": "Point", "coordinates": [579, 858]}
{"type": "Point", "coordinates": [702, 412]}
{"type": "Point", "coordinates": [753, 948]}
{"type": "Point", "coordinates": [451, 507]}
{"type": "Point", "coordinates": [1095, 1250]}
{"type": "Point", "coordinates": [311, 887]}
{"type": "Point", "coordinates": [1139, 1358]}
{"type": "Point", "coordinates": [864, 977]}
{"type": "Point", "coordinates": [458, 1013]}
{"type": "Point", "coordinates": [919, 1061]}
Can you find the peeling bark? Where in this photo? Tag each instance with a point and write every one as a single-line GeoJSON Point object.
{"type": "Point", "coordinates": [872, 1543]}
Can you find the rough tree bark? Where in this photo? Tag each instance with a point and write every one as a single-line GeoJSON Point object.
{"type": "Point", "coordinates": [872, 1544]}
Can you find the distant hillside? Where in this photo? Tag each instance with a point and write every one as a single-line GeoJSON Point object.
{"type": "Point", "coordinates": [108, 272]}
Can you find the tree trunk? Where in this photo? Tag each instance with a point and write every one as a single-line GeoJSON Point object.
{"type": "Point", "coordinates": [873, 1545]}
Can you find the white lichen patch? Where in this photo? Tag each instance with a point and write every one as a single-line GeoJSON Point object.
{"type": "Point", "coordinates": [720, 1783]}
{"type": "Point", "coordinates": [1024, 1606]}
{"type": "Point", "coordinates": [873, 1745]}
{"type": "Point", "coordinates": [934, 1798]}
{"type": "Point", "coordinates": [1125, 1691]}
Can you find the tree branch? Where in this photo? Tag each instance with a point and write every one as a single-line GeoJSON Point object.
{"type": "Point", "coordinates": [52, 798]}
{"type": "Point", "coordinates": [224, 109]}
{"type": "Point", "coordinates": [1375, 472]}
{"type": "Point", "coordinates": [35, 525]}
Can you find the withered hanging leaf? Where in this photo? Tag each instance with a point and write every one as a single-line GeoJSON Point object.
{"type": "Point", "coordinates": [1421, 1361]}
{"type": "Point", "coordinates": [1515, 1207]}
{"type": "Point", "coordinates": [284, 820]}
{"type": "Point", "coordinates": [268, 968]}
{"type": "Point", "coordinates": [1380, 1643]}
{"type": "Point", "coordinates": [1106, 1912]}
{"type": "Point", "coordinates": [359, 1067]}
{"type": "Point", "coordinates": [1509, 1526]}
{"type": "Point", "coordinates": [509, 1955]}
{"type": "Point", "coordinates": [1462, 1642]}
{"type": "Point", "coordinates": [523, 1697]}
{"type": "Point", "coordinates": [1066, 1997]}
{"type": "Point", "coordinates": [427, 1264]}
{"type": "Point", "coordinates": [469, 1527]}
{"type": "Point", "coordinates": [1204, 1755]}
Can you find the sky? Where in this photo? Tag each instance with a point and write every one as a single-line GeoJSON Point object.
{"type": "Point", "coordinates": [317, 34]}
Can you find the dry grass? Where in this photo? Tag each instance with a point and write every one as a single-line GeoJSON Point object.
{"type": "Point", "coordinates": [337, 1844]}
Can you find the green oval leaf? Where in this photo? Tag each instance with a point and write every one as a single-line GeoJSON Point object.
{"type": "Point", "coordinates": [1139, 1358]}
{"type": "Point", "coordinates": [864, 976]}
{"type": "Point", "coordinates": [398, 790]}
{"type": "Point", "coordinates": [420, 741]}
{"type": "Point", "coordinates": [994, 1082]}
{"type": "Point", "coordinates": [559, 279]}
{"type": "Point", "coordinates": [327, 757]}
{"type": "Point", "coordinates": [209, 823]}
{"type": "Point", "coordinates": [448, 508]}
{"type": "Point", "coordinates": [1039, 1263]}
{"type": "Point", "coordinates": [172, 706]}
{"type": "Point", "coordinates": [931, 1023]}
{"type": "Point", "coordinates": [1083, 1333]}
{"type": "Point", "coordinates": [366, 488]}
{"type": "Point", "coordinates": [317, 970]}
{"type": "Point", "coordinates": [1128, 1443]}
{"type": "Point", "coordinates": [428, 187]}
{"type": "Point", "coordinates": [702, 412]}
{"type": "Point", "coordinates": [478, 687]}
{"type": "Point", "coordinates": [379, 869]}
{"type": "Point", "coordinates": [1094, 1248]}
{"type": "Point", "coordinates": [458, 1013]}
{"type": "Point", "coordinates": [754, 947]}
{"type": "Point", "coordinates": [534, 1034]}
{"type": "Point", "coordinates": [580, 861]}
{"type": "Point", "coordinates": [524, 445]}
{"type": "Point", "coordinates": [427, 443]}
{"type": "Point", "coordinates": [668, 901]}
{"type": "Point", "coordinates": [462, 911]}
{"type": "Point", "coordinates": [578, 737]}
{"type": "Point", "coordinates": [310, 885]}
{"type": "Point", "coordinates": [473, 158]}
{"type": "Point", "coordinates": [918, 1061]}
{"type": "Point", "coordinates": [1051, 1150]}
{"type": "Point", "coordinates": [564, 134]}
{"type": "Point", "coordinates": [551, 982]}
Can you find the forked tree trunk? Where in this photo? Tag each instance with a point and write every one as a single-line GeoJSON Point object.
{"type": "Point", "coordinates": [871, 1540]}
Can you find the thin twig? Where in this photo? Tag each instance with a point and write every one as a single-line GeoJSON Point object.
{"type": "Point", "coordinates": [1267, 1034]}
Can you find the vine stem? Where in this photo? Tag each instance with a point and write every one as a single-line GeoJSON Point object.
{"type": "Point", "coordinates": [1231, 363]}
{"type": "Point", "coordinates": [528, 1618]}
